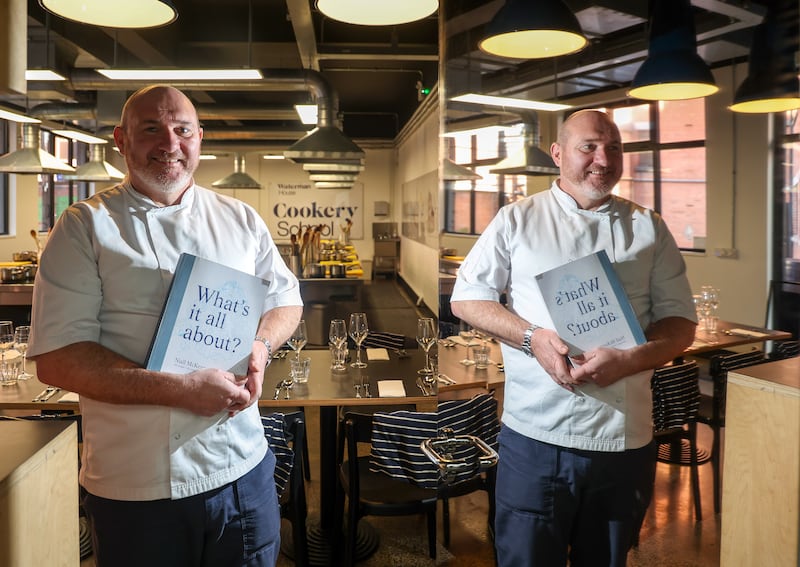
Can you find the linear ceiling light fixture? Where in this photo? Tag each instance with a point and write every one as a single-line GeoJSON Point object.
{"type": "Point", "coordinates": [533, 30]}
{"type": "Point", "coordinates": [114, 13]}
{"type": "Point", "coordinates": [673, 70]}
{"type": "Point", "coordinates": [79, 136]}
{"type": "Point", "coordinates": [307, 112]}
{"type": "Point", "coordinates": [181, 74]}
{"type": "Point", "coordinates": [509, 102]}
{"type": "Point", "coordinates": [772, 83]}
{"type": "Point", "coordinates": [6, 114]}
{"type": "Point", "coordinates": [372, 13]}
{"type": "Point", "coordinates": [43, 75]}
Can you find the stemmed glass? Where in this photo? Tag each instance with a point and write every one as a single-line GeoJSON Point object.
{"type": "Point", "coordinates": [466, 332]}
{"type": "Point", "coordinates": [426, 336]}
{"type": "Point", "coordinates": [337, 336]}
{"type": "Point", "coordinates": [298, 339]}
{"type": "Point", "coordinates": [21, 334]}
{"type": "Point", "coordinates": [358, 332]}
{"type": "Point", "coordinates": [6, 340]}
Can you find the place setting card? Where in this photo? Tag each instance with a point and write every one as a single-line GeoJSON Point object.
{"type": "Point", "coordinates": [391, 389]}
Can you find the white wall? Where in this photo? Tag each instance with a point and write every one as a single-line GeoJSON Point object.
{"type": "Point", "coordinates": [417, 155]}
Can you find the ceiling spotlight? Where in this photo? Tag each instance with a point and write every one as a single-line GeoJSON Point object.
{"type": "Point", "coordinates": [114, 13]}
{"type": "Point", "coordinates": [673, 70]}
{"type": "Point", "coordinates": [372, 13]}
{"type": "Point", "coordinates": [533, 30]}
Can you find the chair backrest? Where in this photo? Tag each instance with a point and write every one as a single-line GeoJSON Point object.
{"type": "Point", "coordinates": [785, 349]}
{"type": "Point", "coordinates": [286, 434]}
{"type": "Point", "coordinates": [396, 439]}
{"type": "Point", "coordinates": [676, 395]}
{"type": "Point", "coordinates": [719, 367]}
{"type": "Point", "coordinates": [783, 307]}
{"type": "Point", "coordinates": [381, 339]}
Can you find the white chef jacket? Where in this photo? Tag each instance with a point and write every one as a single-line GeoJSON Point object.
{"type": "Point", "coordinates": [104, 275]}
{"type": "Point", "coordinates": [547, 230]}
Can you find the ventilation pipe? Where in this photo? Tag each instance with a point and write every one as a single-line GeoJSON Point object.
{"type": "Point", "coordinates": [239, 179]}
{"type": "Point", "coordinates": [531, 160]}
{"type": "Point", "coordinates": [97, 168]}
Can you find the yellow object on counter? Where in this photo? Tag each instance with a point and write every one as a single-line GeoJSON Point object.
{"type": "Point", "coordinates": [454, 258]}
{"type": "Point", "coordinates": [14, 264]}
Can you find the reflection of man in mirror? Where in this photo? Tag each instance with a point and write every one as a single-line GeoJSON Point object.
{"type": "Point", "coordinates": [577, 460]}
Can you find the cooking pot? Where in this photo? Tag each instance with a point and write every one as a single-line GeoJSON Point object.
{"type": "Point", "coordinates": [338, 270]}
{"type": "Point", "coordinates": [315, 271]}
{"type": "Point", "coordinates": [12, 275]}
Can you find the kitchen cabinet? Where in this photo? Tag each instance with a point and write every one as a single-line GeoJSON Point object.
{"type": "Point", "coordinates": [39, 522]}
{"type": "Point", "coordinates": [761, 474]}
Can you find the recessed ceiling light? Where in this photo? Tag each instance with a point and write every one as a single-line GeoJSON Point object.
{"type": "Point", "coordinates": [43, 75]}
{"type": "Point", "coordinates": [510, 102]}
{"type": "Point", "coordinates": [16, 117]}
{"type": "Point", "coordinates": [180, 74]}
{"type": "Point", "coordinates": [80, 136]}
{"type": "Point", "coordinates": [308, 113]}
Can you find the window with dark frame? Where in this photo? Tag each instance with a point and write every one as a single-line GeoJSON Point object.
{"type": "Point", "coordinates": [664, 169]}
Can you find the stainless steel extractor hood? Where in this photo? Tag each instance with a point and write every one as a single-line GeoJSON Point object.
{"type": "Point", "coordinates": [452, 171]}
{"type": "Point", "coordinates": [29, 157]}
{"type": "Point", "coordinates": [239, 179]}
{"type": "Point", "coordinates": [97, 168]}
{"type": "Point", "coordinates": [531, 160]}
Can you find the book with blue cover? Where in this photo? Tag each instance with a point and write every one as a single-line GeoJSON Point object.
{"type": "Point", "coordinates": [588, 305]}
{"type": "Point", "coordinates": [209, 319]}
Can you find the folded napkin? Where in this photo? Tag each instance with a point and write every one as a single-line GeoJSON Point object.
{"type": "Point", "coordinates": [69, 397]}
{"type": "Point", "coordinates": [377, 354]}
{"type": "Point", "coordinates": [391, 389]}
{"type": "Point", "coordinates": [747, 333]}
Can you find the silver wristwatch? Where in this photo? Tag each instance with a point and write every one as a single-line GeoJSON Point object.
{"type": "Point", "coordinates": [526, 340]}
{"type": "Point", "coordinates": [267, 344]}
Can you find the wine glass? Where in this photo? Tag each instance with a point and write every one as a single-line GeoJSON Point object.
{"type": "Point", "coordinates": [298, 339]}
{"type": "Point", "coordinates": [466, 332]}
{"type": "Point", "coordinates": [426, 336]}
{"type": "Point", "coordinates": [6, 341]}
{"type": "Point", "coordinates": [358, 332]}
{"type": "Point", "coordinates": [21, 335]}
{"type": "Point", "coordinates": [337, 336]}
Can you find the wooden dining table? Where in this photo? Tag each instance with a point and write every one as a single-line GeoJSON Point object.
{"type": "Point", "coordinates": [326, 389]}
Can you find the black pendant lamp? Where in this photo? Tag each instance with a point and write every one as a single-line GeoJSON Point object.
{"type": "Point", "coordinates": [524, 29]}
{"type": "Point", "coordinates": [673, 70]}
{"type": "Point", "coordinates": [772, 83]}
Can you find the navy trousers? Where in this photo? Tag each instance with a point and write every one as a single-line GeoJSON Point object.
{"type": "Point", "coordinates": [236, 525]}
{"type": "Point", "coordinates": [555, 504]}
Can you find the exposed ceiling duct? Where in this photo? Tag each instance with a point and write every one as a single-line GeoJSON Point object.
{"type": "Point", "coordinates": [531, 160]}
{"type": "Point", "coordinates": [239, 179]}
{"type": "Point", "coordinates": [29, 157]}
{"type": "Point", "coordinates": [97, 168]}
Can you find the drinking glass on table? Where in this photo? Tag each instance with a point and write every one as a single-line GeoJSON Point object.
{"type": "Point", "coordinates": [298, 339]}
{"type": "Point", "coordinates": [426, 336]}
{"type": "Point", "coordinates": [467, 333]}
{"type": "Point", "coordinates": [337, 336]}
{"type": "Point", "coordinates": [710, 298]}
{"type": "Point", "coordinates": [6, 342]}
{"type": "Point", "coordinates": [21, 335]}
{"type": "Point", "coordinates": [358, 332]}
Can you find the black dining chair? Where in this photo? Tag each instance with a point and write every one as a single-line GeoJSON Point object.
{"type": "Point", "coordinates": [373, 493]}
{"type": "Point", "coordinates": [286, 433]}
{"type": "Point", "coordinates": [676, 401]}
{"type": "Point", "coordinates": [712, 408]}
{"type": "Point", "coordinates": [477, 417]}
